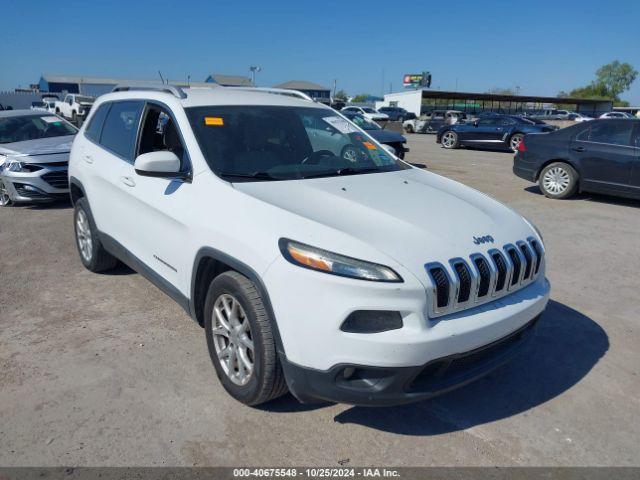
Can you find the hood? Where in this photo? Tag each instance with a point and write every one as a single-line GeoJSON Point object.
{"type": "Point", "coordinates": [411, 215]}
{"type": "Point", "coordinates": [40, 150]}
{"type": "Point", "coordinates": [386, 136]}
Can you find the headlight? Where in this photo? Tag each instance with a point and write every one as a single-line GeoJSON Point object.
{"type": "Point", "coordinates": [314, 258]}
{"type": "Point", "coordinates": [13, 165]}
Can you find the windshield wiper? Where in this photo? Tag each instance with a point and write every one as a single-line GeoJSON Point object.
{"type": "Point", "coordinates": [343, 171]}
{"type": "Point", "coordinates": [255, 175]}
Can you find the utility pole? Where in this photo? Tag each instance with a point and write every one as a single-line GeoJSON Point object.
{"type": "Point", "coordinates": [335, 84]}
{"type": "Point", "coordinates": [253, 69]}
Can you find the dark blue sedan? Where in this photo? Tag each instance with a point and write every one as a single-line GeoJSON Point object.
{"type": "Point", "coordinates": [495, 131]}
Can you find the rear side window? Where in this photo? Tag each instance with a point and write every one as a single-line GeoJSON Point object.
{"type": "Point", "coordinates": [608, 131]}
{"type": "Point", "coordinates": [120, 128]}
{"type": "Point", "coordinates": [94, 128]}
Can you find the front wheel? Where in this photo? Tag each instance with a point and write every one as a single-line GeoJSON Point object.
{"type": "Point", "coordinates": [408, 128]}
{"type": "Point", "coordinates": [558, 180]}
{"type": "Point", "coordinates": [241, 340]}
{"type": "Point", "coordinates": [515, 140]}
{"type": "Point", "coordinates": [450, 139]}
{"type": "Point", "coordinates": [5, 198]}
{"type": "Point", "coordinates": [92, 254]}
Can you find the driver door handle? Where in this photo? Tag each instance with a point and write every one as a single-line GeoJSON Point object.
{"type": "Point", "coordinates": [577, 149]}
{"type": "Point", "coordinates": [128, 181]}
{"type": "Point", "coordinates": [88, 158]}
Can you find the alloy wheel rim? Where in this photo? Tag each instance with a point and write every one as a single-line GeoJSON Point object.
{"type": "Point", "coordinates": [449, 139]}
{"type": "Point", "coordinates": [4, 195]}
{"type": "Point", "coordinates": [232, 339]}
{"type": "Point", "coordinates": [515, 142]}
{"type": "Point", "coordinates": [556, 180]}
{"type": "Point", "coordinates": [83, 233]}
{"type": "Point", "coordinates": [350, 155]}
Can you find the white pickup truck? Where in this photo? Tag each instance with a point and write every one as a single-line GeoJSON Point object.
{"type": "Point", "coordinates": [74, 106]}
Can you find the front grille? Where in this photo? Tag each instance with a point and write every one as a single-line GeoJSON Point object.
{"type": "Point", "coordinates": [463, 284]}
{"type": "Point", "coordinates": [501, 266]}
{"type": "Point", "coordinates": [57, 179]}
{"type": "Point", "coordinates": [517, 264]}
{"type": "Point", "coordinates": [485, 276]}
{"type": "Point", "coordinates": [464, 280]}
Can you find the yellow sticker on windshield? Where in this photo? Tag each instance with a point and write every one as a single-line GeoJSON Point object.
{"type": "Point", "coordinates": [214, 121]}
{"type": "Point", "coordinates": [369, 145]}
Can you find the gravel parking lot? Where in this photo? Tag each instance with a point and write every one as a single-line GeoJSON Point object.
{"type": "Point", "coordinates": [107, 370]}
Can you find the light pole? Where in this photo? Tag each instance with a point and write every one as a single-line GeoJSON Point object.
{"type": "Point", "coordinates": [253, 69]}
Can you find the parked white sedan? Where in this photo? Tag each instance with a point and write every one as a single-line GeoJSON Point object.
{"type": "Point", "coordinates": [367, 112]}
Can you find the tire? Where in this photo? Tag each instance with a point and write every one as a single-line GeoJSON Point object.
{"type": "Point", "coordinates": [92, 254]}
{"type": "Point", "coordinates": [408, 128]}
{"type": "Point", "coordinates": [230, 352]}
{"type": "Point", "coordinates": [558, 180]}
{"type": "Point", "coordinates": [514, 141]}
{"type": "Point", "coordinates": [449, 139]}
{"type": "Point", "coordinates": [74, 117]}
{"type": "Point", "coordinates": [5, 199]}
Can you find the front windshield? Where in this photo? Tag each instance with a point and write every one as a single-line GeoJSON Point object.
{"type": "Point", "coordinates": [251, 143]}
{"type": "Point", "coordinates": [33, 127]}
{"type": "Point", "coordinates": [368, 110]}
{"type": "Point", "coordinates": [363, 123]}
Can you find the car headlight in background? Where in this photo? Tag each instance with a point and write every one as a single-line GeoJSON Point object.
{"type": "Point", "coordinates": [314, 258]}
{"type": "Point", "coordinates": [13, 165]}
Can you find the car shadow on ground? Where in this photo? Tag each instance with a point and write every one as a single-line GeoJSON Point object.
{"type": "Point", "coordinates": [55, 205]}
{"type": "Point", "coordinates": [566, 347]}
{"type": "Point", "coordinates": [592, 197]}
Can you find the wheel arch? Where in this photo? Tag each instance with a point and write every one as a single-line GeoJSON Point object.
{"type": "Point", "coordinates": [210, 263]}
{"type": "Point", "coordinates": [76, 190]}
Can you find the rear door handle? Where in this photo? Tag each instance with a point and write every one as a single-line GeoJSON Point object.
{"type": "Point", "coordinates": [577, 149]}
{"type": "Point", "coordinates": [88, 158]}
{"type": "Point", "coordinates": [128, 181]}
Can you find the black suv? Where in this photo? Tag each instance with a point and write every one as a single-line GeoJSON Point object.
{"type": "Point", "coordinates": [397, 114]}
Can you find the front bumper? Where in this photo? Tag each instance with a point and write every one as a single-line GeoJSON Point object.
{"type": "Point", "coordinates": [47, 184]}
{"type": "Point", "coordinates": [380, 386]}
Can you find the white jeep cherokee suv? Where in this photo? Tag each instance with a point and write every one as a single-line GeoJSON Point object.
{"type": "Point", "coordinates": [340, 277]}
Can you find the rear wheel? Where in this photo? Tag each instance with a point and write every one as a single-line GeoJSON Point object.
{"type": "Point", "coordinates": [515, 140]}
{"type": "Point", "coordinates": [450, 139]}
{"type": "Point", "coordinates": [241, 341]}
{"type": "Point", "coordinates": [74, 117]}
{"type": "Point", "coordinates": [92, 254]}
{"type": "Point", "coordinates": [558, 180]}
{"type": "Point", "coordinates": [408, 128]}
{"type": "Point", "coordinates": [5, 199]}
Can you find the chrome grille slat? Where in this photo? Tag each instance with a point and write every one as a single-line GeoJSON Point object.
{"type": "Point", "coordinates": [481, 278]}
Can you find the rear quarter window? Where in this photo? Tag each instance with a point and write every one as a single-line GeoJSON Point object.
{"type": "Point", "coordinates": [121, 127]}
{"type": "Point", "coordinates": [94, 129]}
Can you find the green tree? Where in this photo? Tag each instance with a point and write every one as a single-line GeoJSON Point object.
{"type": "Point", "coordinates": [611, 80]}
{"type": "Point", "coordinates": [361, 98]}
{"type": "Point", "coordinates": [341, 95]}
{"type": "Point", "coordinates": [616, 77]}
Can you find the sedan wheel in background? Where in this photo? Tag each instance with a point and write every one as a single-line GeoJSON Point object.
{"type": "Point", "coordinates": [515, 141]}
{"type": "Point", "coordinates": [558, 180]}
{"type": "Point", "coordinates": [5, 199]}
{"type": "Point", "coordinates": [449, 139]}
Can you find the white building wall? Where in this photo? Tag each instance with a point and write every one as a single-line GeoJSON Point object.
{"type": "Point", "coordinates": [411, 101]}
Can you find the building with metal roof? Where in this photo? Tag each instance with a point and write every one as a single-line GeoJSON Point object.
{"type": "Point", "coordinates": [423, 101]}
{"type": "Point", "coordinates": [229, 80]}
{"type": "Point", "coordinates": [315, 91]}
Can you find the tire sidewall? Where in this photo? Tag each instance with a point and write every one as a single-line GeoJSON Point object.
{"type": "Point", "coordinates": [573, 182]}
{"type": "Point", "coordinates": [83, 205]}
{"type": "Point", "coordinates": [244, 393]}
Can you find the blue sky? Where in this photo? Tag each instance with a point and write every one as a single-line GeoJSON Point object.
{"type": "Point", "coordinates": [542, 47]}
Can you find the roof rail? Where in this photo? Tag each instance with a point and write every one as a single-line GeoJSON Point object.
{"type": "Point", "coordinates": [151, 86]}
{"type": "Point", "coordinates": [280, 91]}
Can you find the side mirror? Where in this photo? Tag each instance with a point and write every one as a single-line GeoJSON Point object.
{"type": "Point", "coordinates": [157, 164]}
